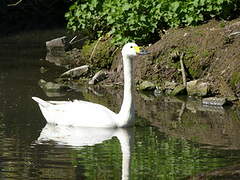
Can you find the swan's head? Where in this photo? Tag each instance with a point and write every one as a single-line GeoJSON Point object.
{"type": "Point", "coordinates": [132, 49]}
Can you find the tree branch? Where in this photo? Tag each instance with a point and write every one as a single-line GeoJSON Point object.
{"type": "Point", "coordinates": [183, 70]}
{"type": "Point", "coordinates": [93, 51]}
{"type": "Point", "coordinates": [15, 4]}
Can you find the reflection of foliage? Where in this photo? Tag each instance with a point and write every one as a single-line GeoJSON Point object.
{"type": "Point", "coordinates": [154, 156]}
{"type": "Point", "coordinates": [171, 157]}
{"type": "Point", "coordinates": [102, 161]}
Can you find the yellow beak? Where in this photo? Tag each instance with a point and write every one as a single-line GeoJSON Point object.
{"type": "Point", "coordinates": [137, 49]}
{"type": "Point", "coordinates": [140, 50]}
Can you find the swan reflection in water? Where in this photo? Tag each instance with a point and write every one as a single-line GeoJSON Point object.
{"type": "Point", "coordinates": [79, 137]}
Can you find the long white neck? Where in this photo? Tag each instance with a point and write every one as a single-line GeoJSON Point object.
{"type": "Point", "coordinates": [126, 115]}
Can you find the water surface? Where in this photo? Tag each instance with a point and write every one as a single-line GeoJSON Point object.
{"type": "Point", "coordinates": [174, 138]}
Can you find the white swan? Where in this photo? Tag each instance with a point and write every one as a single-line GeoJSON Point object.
{"type": "Point", "coordinates": [87, 114]}
{"type": "Point", "coordinates": [78, 137]}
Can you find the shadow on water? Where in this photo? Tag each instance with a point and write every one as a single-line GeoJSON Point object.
{"type": "Point", "coordinates": [175, 138]}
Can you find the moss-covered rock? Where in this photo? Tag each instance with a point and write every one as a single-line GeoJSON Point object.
{"type": "Point", "coordinates": [197, 88]}
{"type": "Point", "coordinates": [51, 86]}
{"type": "Point", "coordinates": [235, 79]}
{"type": "Point", "coordinates": [97, 54]}
{"type": "Point", "coordinates": [179, 90]}
{"type": "Point", "coordinates": [147, 86]}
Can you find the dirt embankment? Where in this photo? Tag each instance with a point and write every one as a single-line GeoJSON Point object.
{"type": "Point", "coordinates": [211, 52]}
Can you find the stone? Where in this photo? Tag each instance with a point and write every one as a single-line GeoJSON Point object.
{"type": "Point", "coordinates": [232, 98]}
{"type": "Point", "coordinates": [56, 51]}
{"type": "Point", "coordinates": [43, 70]}
{"type": "Point", "coordinates": [179, 90]}
{"type": "Point", "coordinates": [197, 88]}
{"type": "Point", "coordinates": [99, 76]}
{"type": "Point", "coordinates": [50, 86]}
{"type": "Point", "coordinates": [170, 85]}
{"type": "Point", "coordinates": [168, 91]}
{"type": "Point", "coordinates": [42, 83]}
{"type": "Point", "coordinates": [158, 91]}
{"type": "Point", "coordinates": [60, 60]}
{"type": "Point", "coordinates": [56, 46]}
{"type": "Point", "coordinates": [76, 72]}
{"type": "Point", "coordinates": [214, 101]}
{"type": "Point", "coordinates": [147, 86]}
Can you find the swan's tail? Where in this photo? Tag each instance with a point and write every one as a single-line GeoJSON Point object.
{"type": "Point", "coordinates": [41, 102]}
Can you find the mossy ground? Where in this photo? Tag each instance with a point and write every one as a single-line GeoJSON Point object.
{"type": "Point", "coordinates": [98, 54]}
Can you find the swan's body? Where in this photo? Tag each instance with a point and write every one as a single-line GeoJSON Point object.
{"type": "Point", "coordinates": [87, 114]}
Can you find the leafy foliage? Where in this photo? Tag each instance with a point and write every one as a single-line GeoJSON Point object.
{"type": "Point", "coordinates": [141, 20]}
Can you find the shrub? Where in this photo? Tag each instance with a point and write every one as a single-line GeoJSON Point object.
{"type": "Point", "coordinates": [141, 20]}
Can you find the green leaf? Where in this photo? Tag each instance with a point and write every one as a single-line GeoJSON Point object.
{"type": "Point", "coordinates": [142, 18]}
{"type": "Point", "coordinates": [175, 5]}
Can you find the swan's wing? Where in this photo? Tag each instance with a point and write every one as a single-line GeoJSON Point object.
{"type": "Point", "coordinates": [77, 113]}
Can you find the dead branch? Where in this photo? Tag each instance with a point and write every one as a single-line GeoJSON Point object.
{"type": "Point", "coordinates": [114, 51]}
{"type": "Point", "coordinates": [95, 48]}
{"type": "Point", "coordinates": [183, 107]}
{"type": "Point", "coordinates": [70, 42]}
{"type": "Point", "coordinates": [73, 40]}
{"type": "Point", "coordinates": [15, 4]}
{"type": "Point", "coordinates": [183, 70]}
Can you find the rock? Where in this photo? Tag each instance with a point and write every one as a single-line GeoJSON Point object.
{"type": "Point", "coordinates": [179, 90]}
{"type": "Point", "coordinates": [147, 86]}
{"type": "Point", "coordinates": [194, 105]}
{"type": "Point", "coordinates": [99, 76]}
{"type": "Point", "coordinates": [50, 86]}
{"type": "Point", "coordinates": [56, 46]}
{"type": "Point", "coordinates": [232, 98]}
{"type": "Point", "coordinates": [168, 91]}
{"type": "Point", "coordinates": [147, 96]}
{"type": "Point", "coordinates": [55, 93]}
{"type": "Point", "coordinates": [158, 91]}
{"type": "Point", "coordinates": [214, 101]}
{"type": "Point", "coordinates": [42, 83]}
{"type": "Point", "coordinates": [43, 70]}
{"type": "Point", "coordinates": [56, 51]}
{"type": "Point", "coordinates": [76, 72]}
{"type": "Point", "coordinates": [197, 88]}
{"type": "Point", "coordinates": [170, 85]}
{"type": "Point", "coordinates": [59, 60]}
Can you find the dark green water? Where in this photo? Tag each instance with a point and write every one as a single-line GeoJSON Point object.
{"type": "Point", "coordinates": [174, 138]}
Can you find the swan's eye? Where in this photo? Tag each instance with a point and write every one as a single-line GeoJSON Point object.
{"type": "Point", "coordinates": [131, 46]}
